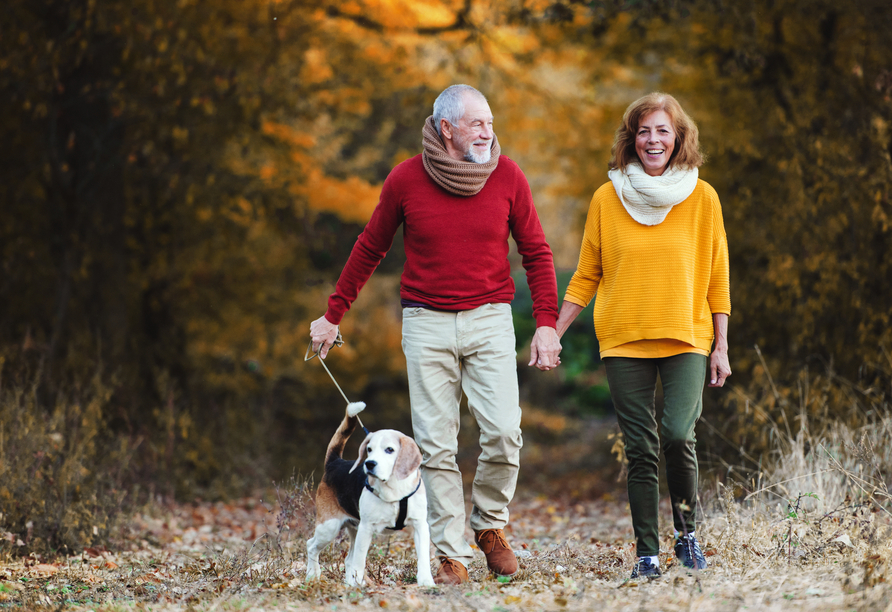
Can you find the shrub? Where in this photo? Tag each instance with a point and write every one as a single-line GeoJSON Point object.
{"type": "Point", "coordinates": [815, 433]}
{"type": "Point", "coordinates": [60, 470]}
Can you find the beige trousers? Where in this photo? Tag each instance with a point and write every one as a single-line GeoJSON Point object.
{"type": "Point", "coordinates": [447, 353]}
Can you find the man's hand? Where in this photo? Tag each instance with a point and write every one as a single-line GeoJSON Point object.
{"type": "Point", "coordinates": [545, 349]}
{"type": "Point", "coordinates": [323, 334]}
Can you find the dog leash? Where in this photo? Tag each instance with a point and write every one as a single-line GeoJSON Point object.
{"type": "Point", "coordinates": [339, 341]}
{"type": "Point", "coordinates": [404, 502]}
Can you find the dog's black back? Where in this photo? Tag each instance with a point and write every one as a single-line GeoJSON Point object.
{"type": "Point", "coordinates": [348, 487]}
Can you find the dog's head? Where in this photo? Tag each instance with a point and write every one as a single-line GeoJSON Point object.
{"type": "Point", "coordinates": [388, 454]}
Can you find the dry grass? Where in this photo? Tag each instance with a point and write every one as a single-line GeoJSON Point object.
{"type": "Point", "coordinates": [810, 533]}
{"type": "Point", "coordinates": [61, 470]}
{"type": "Point", "coordinates": [816, 536]}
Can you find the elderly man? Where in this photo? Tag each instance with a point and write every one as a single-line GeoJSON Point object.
{"type": "Point", "coordinates": [457, 202]}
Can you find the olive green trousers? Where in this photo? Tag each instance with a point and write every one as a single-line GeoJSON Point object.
{"type": "Point", "coordinates": [633, 387]}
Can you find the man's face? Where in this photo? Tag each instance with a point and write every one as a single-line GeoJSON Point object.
{"type": "Point", "coordinates": [473, 135]}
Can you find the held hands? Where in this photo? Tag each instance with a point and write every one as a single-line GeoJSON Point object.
{"type": "Point", "coordinates": [545, 349]}
{"type": "Point", "coordinates": [323, 335]}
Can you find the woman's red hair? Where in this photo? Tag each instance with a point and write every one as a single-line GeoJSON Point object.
{"type": "Point", "coordinates": [687, 152]}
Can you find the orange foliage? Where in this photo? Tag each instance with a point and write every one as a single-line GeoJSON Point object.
{"type": "Point", "coordinates": [288, 134]}
{"type": "Point", "coordinates": [352, 199]}
{"type": "Point", "coordinates": [165, 203]}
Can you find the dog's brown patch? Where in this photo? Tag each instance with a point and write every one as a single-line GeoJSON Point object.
{"type": "Point", "coordinates": [408, 459]}
{"type": "Point", "coordinates": [327, 506]}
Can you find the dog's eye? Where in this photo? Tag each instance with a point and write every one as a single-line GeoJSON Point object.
{"type": "Point", "coordinates": [389, 450]}
{"type": "Point", "coordinates": [368, 449]}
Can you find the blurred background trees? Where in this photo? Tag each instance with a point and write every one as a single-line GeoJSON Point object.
{"type": "Point", "coordinates": [184, 179]}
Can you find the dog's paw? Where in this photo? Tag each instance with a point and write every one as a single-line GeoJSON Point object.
{"type": "Point", "coordinates": [354, 579]}
{"type": "Point", "coordinates": [426, 581]}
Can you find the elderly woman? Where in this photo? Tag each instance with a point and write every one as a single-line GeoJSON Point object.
{"type": "Point", "coordinates": [655, 252]}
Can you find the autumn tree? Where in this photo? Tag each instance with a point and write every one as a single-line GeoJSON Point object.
{"type": "Point", "coordinates": [184, 179]}
{"type": "Point", "coordinates": [155, 207]}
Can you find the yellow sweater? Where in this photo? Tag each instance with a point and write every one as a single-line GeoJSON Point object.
{"type": "Point", "coordinates": [658, 286]}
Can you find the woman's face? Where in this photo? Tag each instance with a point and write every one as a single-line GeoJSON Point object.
{"type": "Point", "coordinates": [655, 142]}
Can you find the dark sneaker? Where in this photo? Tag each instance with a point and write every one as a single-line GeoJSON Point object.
{"type": "Point", "coordinates": [645, 569]}
{"type": "Point", "coordinates": [688, 553]}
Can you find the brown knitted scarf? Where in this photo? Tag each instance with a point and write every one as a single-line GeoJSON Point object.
{"type": "Point", "coordinates": [462, 178]}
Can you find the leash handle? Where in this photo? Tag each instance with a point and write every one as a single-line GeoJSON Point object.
{"type": "Point", "coordinates": [338, 341]}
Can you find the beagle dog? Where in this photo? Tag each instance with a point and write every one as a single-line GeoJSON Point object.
{"type": "Point", "coordinates": [386, 494]}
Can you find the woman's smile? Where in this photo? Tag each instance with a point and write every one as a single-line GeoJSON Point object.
{"type": "Point", "coordinates": [655, 142]}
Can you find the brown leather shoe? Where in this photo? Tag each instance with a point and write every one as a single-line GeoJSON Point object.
{"type": "Point", "coordinates": [499, 556]}
{"type": "Point", "coordinates": [451, 572]}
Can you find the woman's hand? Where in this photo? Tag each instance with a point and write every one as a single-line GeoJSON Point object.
{"type": "Point", "coordinates": [719, 366]}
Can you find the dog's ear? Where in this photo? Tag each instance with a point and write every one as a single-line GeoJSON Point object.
{"type": "Point", "coordinates": [361, 453]}
{"type": "Point", "coordinates": [408, 460]}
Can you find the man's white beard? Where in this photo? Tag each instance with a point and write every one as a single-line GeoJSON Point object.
{"type": "Point", "coordinates": [478, 158]}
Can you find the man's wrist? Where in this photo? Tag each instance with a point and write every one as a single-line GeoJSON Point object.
{"type": "Point", "coordinates": [546, 321]}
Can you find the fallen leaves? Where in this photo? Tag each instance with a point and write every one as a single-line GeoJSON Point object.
{"type": "Point", "coordinates": [44, 569]}
{"type": "Point", "coordinates": [196, 554]}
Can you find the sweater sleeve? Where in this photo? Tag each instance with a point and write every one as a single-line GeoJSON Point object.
{"type": "Point", "coordinates": [718, 294]}
{"type": "Point", "coordinates": [585, 281]}
{"type": "Point", "coordinates": [537, 258]}
{"type": "Point", "coordinates": [370, 248]}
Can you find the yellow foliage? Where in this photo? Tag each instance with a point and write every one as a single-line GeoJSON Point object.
{"type": "Point", "coordinates": [225, 263]}
{"type": "Point", "coordinates": [315, 69]}
{"type": "Point", "coordinates": [514, 40]}
{"type": "Point", "coordinates": [352, 199]}
{"type": "Point", "coordinates": [288, 134]}
{"type": "Point", "coordinates": [267, 171]}
{"type": "Point", "coordinates": [403, 13]}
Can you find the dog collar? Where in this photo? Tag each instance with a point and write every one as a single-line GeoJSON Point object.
{"type": "Point", "coordinates": [369, 487]}
{"type": "Point", "coordinates": [404, 505]}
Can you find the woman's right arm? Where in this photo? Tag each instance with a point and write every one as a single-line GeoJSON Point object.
{"type": "Point", "coordinates": [585, 281]}
{"type": "Point", "coordinates": [568, 314]}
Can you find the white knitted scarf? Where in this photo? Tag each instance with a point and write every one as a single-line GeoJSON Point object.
{"type": "Point", "coordinates": [648, 199]}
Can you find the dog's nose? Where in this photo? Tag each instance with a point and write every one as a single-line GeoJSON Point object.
{"type": "Point", "coordinates": [370, 465]}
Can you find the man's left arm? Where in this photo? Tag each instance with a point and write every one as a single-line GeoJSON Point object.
{"type": "Point", "coordinates": [538, 262]}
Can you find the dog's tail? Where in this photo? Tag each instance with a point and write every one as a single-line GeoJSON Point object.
{"type": "Point", "coordinates": [345, 430]}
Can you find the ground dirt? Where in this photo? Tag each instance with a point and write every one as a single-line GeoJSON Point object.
{"type": "Point", "coordinates": [772, 549]}
{"type": "Point", "coordinates": [574, 555]}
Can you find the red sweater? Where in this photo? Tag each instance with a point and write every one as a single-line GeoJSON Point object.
{"type": "Point", "coordinates": [456, 246]}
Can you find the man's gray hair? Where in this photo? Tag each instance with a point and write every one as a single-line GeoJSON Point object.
{"type": "Point", "coordinates": [449, 104]}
